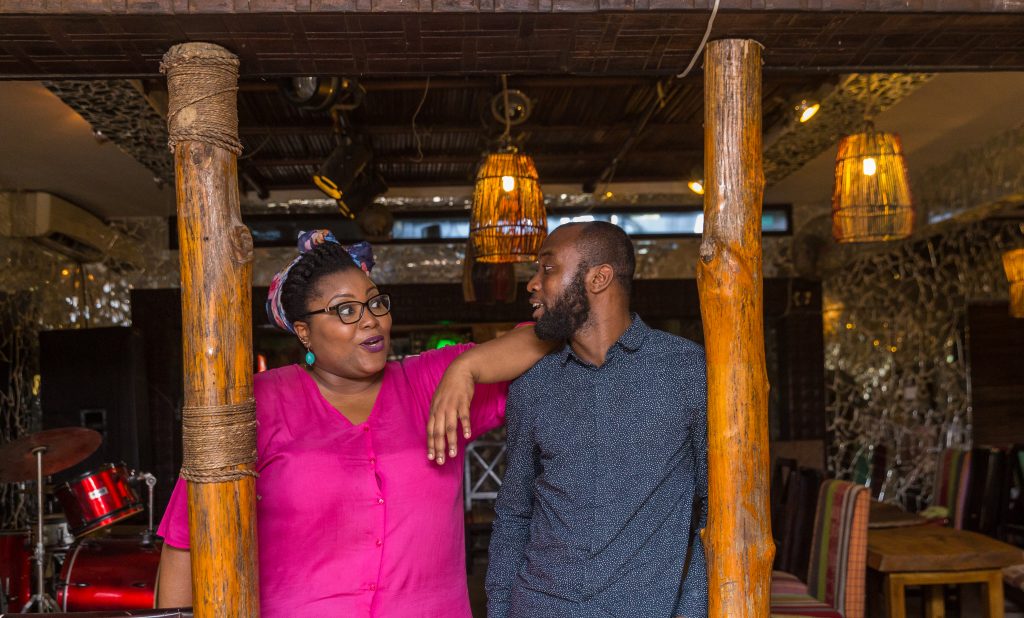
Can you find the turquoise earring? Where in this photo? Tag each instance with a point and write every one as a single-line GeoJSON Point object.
{"type": "Point", "coordinates": [310, 357]}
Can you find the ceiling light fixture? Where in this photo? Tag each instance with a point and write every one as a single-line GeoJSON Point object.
{"type": "Point", "coordinates": [348, 176]}
{"type": "Point", "coordinates": [319, 93]}
{"type": "Point", "coordinates": [695, 182]}
{"type": "Point", "coordinates": [313, 93]}
{"type": "Point", "coordinates": [337, 175]}
{"type": "Point", "coordinates": [871, 199]}
{"type": "Point", "coordinates": [508, 222]}
{"type": "Point", "coordinates": [1013, 264]}
{"type": "Point", "coordinates": [806, 109]}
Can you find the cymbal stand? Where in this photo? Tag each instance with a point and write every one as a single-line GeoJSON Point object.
{"type": "Point", "coordinates": [42, 601]}
{"type": "Point", "coordinates": [150, 534]}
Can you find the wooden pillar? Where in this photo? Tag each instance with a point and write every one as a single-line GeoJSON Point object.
{"type": "Point", "coordinates": [738, 537]}
{"type": "Point", "coordinates": [216, 300]}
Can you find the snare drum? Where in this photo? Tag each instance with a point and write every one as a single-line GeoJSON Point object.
{"type": "Point", "coordinates": [15, 568]}
{"type": "Point", "coordinates": [108, 574]}
{"type": "Point", "coordinates": [98, 499]}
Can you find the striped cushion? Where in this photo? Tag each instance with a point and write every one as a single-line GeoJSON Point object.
{"type": "Point", "coordinates": [787, 583]}
{"type": "Point", "coordinates": [839, 550]}
{"type": "Point", "coordinates": [790, 598]}
{"type": "Point", "coordinates": [803, 606]}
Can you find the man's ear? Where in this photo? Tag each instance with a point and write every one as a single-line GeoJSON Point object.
{"type": "Point", "coordinates": [599, 278]}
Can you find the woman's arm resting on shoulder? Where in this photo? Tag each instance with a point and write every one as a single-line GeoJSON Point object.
{"type": "Point", "coordinates": [174, 586]}
{"type": "Point", "coordinates": [499, 360]}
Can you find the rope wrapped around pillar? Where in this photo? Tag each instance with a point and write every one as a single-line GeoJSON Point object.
{"type": "Point", "coordinates": [215, 252]}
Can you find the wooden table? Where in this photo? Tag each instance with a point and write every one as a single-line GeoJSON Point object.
{"type": "Point", "coordinates": [885, 515]}
{"type": "Point", "coordinates": [932, 556]}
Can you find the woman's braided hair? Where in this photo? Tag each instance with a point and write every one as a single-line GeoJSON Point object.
{"type": "Point", "coordinates": [323, 260]}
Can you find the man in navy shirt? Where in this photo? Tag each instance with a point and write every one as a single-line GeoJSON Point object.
{"type": "Point", "coordinates": [605, 489]}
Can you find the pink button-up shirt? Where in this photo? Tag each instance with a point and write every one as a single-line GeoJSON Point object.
{"type": "Point", "coordinates": [353, 520]}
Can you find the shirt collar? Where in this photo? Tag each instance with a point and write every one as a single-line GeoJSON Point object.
{"type": "Point", "coordinates": [631, 340]}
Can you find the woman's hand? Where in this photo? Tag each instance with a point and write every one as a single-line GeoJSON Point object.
{"type": "Point", "coordinates": [449, 408]}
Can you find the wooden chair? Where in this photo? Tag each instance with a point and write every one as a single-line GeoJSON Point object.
{"type": "Point", "coordinates": [1011, 521]}
{"type": "Point", "coordinates": [987, 492]}
{"type": "Point", "coordinates": [952, 480]}
{"type": "Point", "coordinates": [482, 469]}
{"type": "Point", "coordinates": [782, 472]}
{"type": "Point", "coordinates": [797, 521]}
{"type": "Point", "coordinates": [869, 467]}
{"type": "Point", "coordinates": [835, 585]}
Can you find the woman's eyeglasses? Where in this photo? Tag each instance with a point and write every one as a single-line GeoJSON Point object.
{"type": "Point", "coordinates": [351, 311]}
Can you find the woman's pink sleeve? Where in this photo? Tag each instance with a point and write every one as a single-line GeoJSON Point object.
{"type": "Point", "coordinates": [174, 526]}
{"type": "Point", "coordinates": [487, 410]}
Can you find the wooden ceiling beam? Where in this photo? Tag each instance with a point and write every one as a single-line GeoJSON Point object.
{"type": "Point", "coordinates": [469, 158]}
{"type": "Point", "coordinates": [475, 83]}
{"type": "Point", "coordinates": [453, 181]}
{"type": "Point", "coordinates": [436, 128]}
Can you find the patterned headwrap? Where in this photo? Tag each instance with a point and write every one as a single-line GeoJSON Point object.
{"type": "Point", "coordinates": [361, 253]}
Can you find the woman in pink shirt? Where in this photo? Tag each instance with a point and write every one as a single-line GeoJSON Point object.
{"type": "Point", "coordinates": [352, 519]}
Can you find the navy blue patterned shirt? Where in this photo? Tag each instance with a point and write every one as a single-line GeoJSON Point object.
{"type": "Point", "coordinates": [606, 485]}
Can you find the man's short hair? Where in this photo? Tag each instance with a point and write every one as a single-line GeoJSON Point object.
{"type": "Point", "coordinates": [601, 242]}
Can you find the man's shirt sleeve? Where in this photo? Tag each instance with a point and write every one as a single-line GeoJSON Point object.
{"type": "Point", "coordinates": [514, 507]}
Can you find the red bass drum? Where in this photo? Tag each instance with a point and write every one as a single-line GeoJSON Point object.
{"type": "Point", "coordinates": [98, 499]}
{"type": "Point", "coordinates": [108, 574]}
{"type": "Point", "coordinates": [15, 568]}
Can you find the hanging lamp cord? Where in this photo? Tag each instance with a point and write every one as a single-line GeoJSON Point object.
{"type": "Point", "coordinates": [506, 137]}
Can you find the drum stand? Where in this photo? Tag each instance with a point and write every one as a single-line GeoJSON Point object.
{"type": "Point", "coordinates": [41, 601]}
{"type": "Point", "coordinates": [149, 536]}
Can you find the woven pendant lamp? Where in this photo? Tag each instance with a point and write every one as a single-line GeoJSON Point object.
{"type": "Point", "coordinates": [871, 200]}
{"type": "Point", "coordinates": [508, 222]}
{"type": "Point", "coordinates": [1013, 264]}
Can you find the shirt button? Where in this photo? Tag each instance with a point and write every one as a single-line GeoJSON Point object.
{"type": "Point", "coordinates": [380, 500]}
{"type": "Point", "coordinates": [373, 586]}
{"type": "Point", "coordinates": [365, 429]}
{"type": "Point", "coordinates": [379, 542]}
{"type": "Point", "coordinates": [373, 460]}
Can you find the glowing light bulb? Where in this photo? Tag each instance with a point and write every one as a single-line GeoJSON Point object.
{"type": "Point", "coordinates": [697, 186]}
{"type": "Point", "coordinates": [808, 111]}
{"type": "Point", "coordinates": [508, 183]}
{"type": "Point", "coordinates": [870, 166]}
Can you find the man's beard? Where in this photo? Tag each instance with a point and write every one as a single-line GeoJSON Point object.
{"type": "Point", "coordinates": [569, 312]}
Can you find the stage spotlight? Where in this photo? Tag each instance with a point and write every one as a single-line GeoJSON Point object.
{"type": "Point", "coordinates": [364, 190]}
{"type": "Point", "coordinates": [338, 173]}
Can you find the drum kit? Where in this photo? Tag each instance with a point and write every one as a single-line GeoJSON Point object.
{"type": "Point", "coordinates": [87, 571]}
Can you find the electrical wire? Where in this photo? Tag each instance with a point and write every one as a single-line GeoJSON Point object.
{"type": "Point", "coordinates": [252, 153]}
{"type": "Point", "coordinates": [664, 93]}
{"type": "Point", "coordinates": [415, 132]}
{"type": "Point", "coordinates": [703, 42]}
{"type": "Point", "coordinates": [508, 120]}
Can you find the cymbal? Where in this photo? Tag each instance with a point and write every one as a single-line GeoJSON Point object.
{"type": "Point", "coordinates": [65, 447]}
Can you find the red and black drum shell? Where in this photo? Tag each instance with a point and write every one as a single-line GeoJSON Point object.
{"type": "Point", "coordinates": [15, 568]}
{"type": "Point", "coordinates": [108, 574]}
{"type": "Point", "coordinates": [97, 499]}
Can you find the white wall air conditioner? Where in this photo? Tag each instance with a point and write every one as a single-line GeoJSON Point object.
{"type": "Point", "coordinates": [63, 227]}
